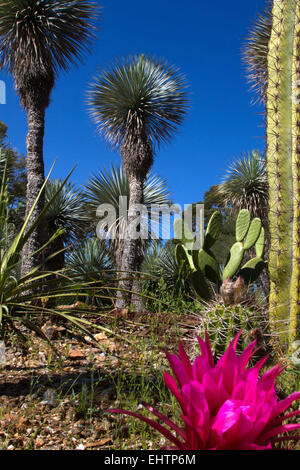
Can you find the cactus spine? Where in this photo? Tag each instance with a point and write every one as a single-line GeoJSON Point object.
{"type": "Point", "coordinates": [283, 161]}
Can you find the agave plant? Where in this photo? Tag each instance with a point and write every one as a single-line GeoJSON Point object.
{"type": "Point", "coordinates": [160, 262]}
{"type": "Point", "coordinates": [225, 406]}
{"type": "Point", "coordinates": [92, 261]}
{"type": "Point", "coordinates": [67, 212]}
{"type": "Point", "coordinates": [89, 259]}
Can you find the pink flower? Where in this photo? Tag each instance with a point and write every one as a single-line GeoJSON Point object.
{"type": "Point", "coordinates": [225, 406]}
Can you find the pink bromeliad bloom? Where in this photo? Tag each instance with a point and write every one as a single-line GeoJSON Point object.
{"type": "Point", "coordinates": [225, 406]}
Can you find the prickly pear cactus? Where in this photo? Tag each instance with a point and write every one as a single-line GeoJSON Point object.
{"type": "Point", "coordinates": [202, 267]}
{"type": "Point", "coordinates": [244, 230]}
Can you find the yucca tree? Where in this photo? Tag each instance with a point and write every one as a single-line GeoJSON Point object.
{"type": "Point", "coordinates": [245, 185]}
{"type": "Point", "coordinates": [37, 39]}
{"type": "Point", "coordinates": [255, 53]}
{"type": "Point", "coordinates": [67, 212]}
{"type": "Point", "coordinates": [137, 105]}
{"type": "Point", "coordinates": [107, 187]}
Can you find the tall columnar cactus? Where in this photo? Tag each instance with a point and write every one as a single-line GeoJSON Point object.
{"type": "Point", "coordinates": [283, 161]}
{"type": "Point", "coordinates": [201, 265]}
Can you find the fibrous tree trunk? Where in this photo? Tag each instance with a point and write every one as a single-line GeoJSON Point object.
{"type": "Point", "coordinates": [131, 243]}
{"type": "Point", "coordinates": [35, 180]}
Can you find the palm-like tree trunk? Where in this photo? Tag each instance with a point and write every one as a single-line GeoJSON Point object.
{"type": "Point", "coordinates": [131, 247]}
{"type": "Point", "coordinates": [35, 180]}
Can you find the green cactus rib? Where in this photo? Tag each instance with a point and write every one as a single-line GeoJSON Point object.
{"type": "Point", "coordinates": [242, 225]}
{"type": "Point", "coordinates": [295, 278]}
{"type": "Point", "coordinates": [280, 165]}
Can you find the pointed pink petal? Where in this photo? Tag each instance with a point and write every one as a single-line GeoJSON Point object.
{"type": "Point", "coordinates": [246, 355]}
{"type": "Point", "coordinates": [236, 339]}
{"type": "Point", "coordinates": [286, 438]}
{"type": "Point", "coordinates": [172, 386]}
{"type": "Point", "coordinates": [284, 404]}
{"type": "Point", "coordinates": [271, 374]}
{"type": "Point", "coordinates": [166, 420]}
{"type": "Point", "coordinates": [285, 417]}
{"type": "Point", "coordinates": [178, 369]}
{"type": "Point", "coordinates": [279, 430]}
{"type": "Point", "coordinates": [203, 347]}
{"type": "Point", "coordinates": [260, 363]}
{"type": "Point", "coordinates": [185, 361]}
{"type": "Point", "coordinates": [252, 446]}
{"type": "Point", "coordinates": [165, 432]}
{"type": "Point", "coordinates": [209, 351]}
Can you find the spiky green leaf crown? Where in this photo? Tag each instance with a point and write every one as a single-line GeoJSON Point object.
{"type": "Point", "coordinates": [245, 184]}
{"type": "Point", "coordinates": [39, 37]}
{"type": "Point", "coordinates": [106, 187]}
{"type": "Point", "coordinates": [67, 211]}
{"type": "Point", "coordinates": [138, 96]}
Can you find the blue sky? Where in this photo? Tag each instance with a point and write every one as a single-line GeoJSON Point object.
{"type": "Point", "coordinates": [202, 38]}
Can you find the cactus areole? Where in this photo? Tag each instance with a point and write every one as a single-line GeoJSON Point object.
{"type": "Point", "coordinates": [283, 162]}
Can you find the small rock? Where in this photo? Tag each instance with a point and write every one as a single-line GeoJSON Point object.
{"type": "Point", "coordinates": [48, 330]}
{"type": "Point", "coordinates": [52, 331]}
{"type": "Point", "coordinates": [39, 442]}
{"type": "Point", "coordinates": [76, 354]}
{"type": "Point", "coordinates": [42, 357]}
{"type": "Point", "coordinates": [49, 398]}
{"type": "Point", "coordinates": [100, 337]}
{"type": "Point", "coordinates": [80, 447]}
